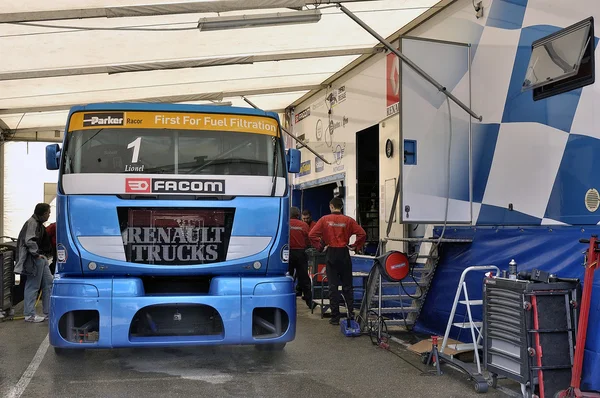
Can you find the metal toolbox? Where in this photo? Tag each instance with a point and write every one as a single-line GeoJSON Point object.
{"type": "Point", "coordinates": [529, 331]}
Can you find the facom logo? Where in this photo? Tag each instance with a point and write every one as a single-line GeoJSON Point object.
{"type": "Point", "coordinates": [188, 186]}
{"type": "Point", "coordinates": [137, 185]}
{"type": "Point", "coordinates": [103, 119]}
{"type": "Point", "coordinates": [302, 115]}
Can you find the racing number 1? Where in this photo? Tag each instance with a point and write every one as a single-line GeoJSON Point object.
{"type": "Point", "coordinates": [136, 149]}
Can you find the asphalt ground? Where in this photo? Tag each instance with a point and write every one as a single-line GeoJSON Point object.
{"type": "Point", "coordinates": [320, 362]}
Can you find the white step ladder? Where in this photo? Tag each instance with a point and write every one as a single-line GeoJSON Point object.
{"type": "Point", "coordinates": [476, 327]}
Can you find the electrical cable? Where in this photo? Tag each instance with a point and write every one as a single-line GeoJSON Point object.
{"type": "Point", "coordinates": [405, 360]}
{"type": "Point", "coordinates": [374, 326]}
{"type": "Point", "coordinates": [370, 328]}
{"type": "Point", "coordinates": [75, 31]}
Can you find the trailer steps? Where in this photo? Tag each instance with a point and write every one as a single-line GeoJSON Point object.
{"type": "Point", "coordinates": [401, 303]}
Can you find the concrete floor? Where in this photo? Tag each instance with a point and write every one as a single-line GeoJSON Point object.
{"type": "Point", "coordinates": [319, 363]}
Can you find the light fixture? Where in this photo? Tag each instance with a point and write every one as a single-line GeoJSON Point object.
{"type": "Point", "coordinates": [250, 21]}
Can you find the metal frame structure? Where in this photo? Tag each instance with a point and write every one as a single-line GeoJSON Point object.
{"type": "Point", "coordinates": [214, 96]}
{"type": "Point", "coordinates": [184, 63]}
{"type": "Point", "coordinates": [162, 9]}
{"type": "Point", "coordinates": [25, 19]}
{"type": "Point", "coordinates": [413, 66]}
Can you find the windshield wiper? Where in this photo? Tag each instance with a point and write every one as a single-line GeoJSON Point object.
{"type": "Point", "coordinates": [159, 170]}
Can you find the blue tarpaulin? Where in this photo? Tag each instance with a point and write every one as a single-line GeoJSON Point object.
{"type": "Point", "coordinates": [553, 249]}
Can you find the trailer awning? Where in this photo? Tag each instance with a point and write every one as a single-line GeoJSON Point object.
{"type": "Point", "coordinates": [57, 54]}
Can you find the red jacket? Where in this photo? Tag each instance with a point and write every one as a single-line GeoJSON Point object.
{"type": "Point", "coordinates": [336, 229]}
{"type": "Point", "coordinates": [51, 231]}
{"type": "Point", "coordinates": [311, 225]}
{"type": "Point", "coordinates": [298, 234]}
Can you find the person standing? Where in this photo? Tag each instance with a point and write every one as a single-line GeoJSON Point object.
{"type": "Point", "coordinates": [32, 262]}
{"type": "Point", "coordinates": [307, 218]}
{"type": "Point", "coordinates": [298, 259]}
{"type": "Point", "coordinates": [334, 231]}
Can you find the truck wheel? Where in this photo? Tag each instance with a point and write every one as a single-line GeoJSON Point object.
{"type": "Point", "coordinates": [270, 347]}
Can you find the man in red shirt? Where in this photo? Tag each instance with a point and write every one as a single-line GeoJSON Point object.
{"type": "Point", "coordinates": [298, 260]}
{"type": "Point", "coordinates": [307, 218]}
{"type": "Point", "coordinates": [335, 231]}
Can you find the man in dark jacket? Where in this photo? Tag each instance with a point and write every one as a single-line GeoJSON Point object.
{"type": "Point", "coordinates": [32, 248]}
{"type": "Point", "coordinates": [335, 231]}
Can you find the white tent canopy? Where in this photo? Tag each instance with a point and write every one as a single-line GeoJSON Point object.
{"type": "Point", "coordinates": [81, 52]}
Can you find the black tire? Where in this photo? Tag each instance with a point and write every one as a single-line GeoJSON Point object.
{"type": "Point", "coordinates": [493, 380]}
{"type": "Point", "coordinates": [424, 357]}
{"type": "Point", "coordinates": [481, 387]}
{"type": "Point", "coordinates": [270, 347]}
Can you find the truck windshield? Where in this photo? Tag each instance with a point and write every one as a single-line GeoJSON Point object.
{"type": "Point", "coordinates": [172, 151]}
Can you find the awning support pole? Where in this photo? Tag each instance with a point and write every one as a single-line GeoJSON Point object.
{"type": "Point", "coordinates": [409, 62]}
{"type": "Point", "coordinates": [290, 134]}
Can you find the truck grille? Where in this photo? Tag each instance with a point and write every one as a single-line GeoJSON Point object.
{"type": "Point", "coordinates": [175, 236]}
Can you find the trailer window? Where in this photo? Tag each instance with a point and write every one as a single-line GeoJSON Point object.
{"type": "Point", "coordinates": [562, 61]}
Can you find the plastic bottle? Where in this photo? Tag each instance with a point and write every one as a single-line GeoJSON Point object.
{"type": "Point", "coordinates": [512, 269]}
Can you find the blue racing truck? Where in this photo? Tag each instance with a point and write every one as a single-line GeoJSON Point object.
{"type": "Point", "coordinates": [172, 228]}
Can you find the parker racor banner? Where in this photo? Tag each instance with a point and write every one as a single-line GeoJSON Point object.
{"type": "Point", "coordinates": [177, 236]}
{"type": "Point", "coordinates": [174, 120]}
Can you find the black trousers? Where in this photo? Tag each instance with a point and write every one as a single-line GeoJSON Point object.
{"type": "Point", "coordinates": [299, 263]}
{"type": "Point", "coordinates": [339, 272]}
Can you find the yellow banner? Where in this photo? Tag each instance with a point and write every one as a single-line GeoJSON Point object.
{"type": "Point", "coordinates": [173, 120]}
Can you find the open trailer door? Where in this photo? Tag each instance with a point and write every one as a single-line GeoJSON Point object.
{"type": "Point", "coordinates": [431, 126]}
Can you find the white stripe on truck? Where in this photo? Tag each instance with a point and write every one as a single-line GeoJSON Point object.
{"type": "Point", "coordinates": [170, 184]}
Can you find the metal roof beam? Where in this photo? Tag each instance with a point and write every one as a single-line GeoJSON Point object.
{"type": "Point", "coordinates": [160, 9]}
{"type": "Point", "coordinates": [39, 135]}
{"type": "Point", "coordinates": [183, 64]}
{"type": "Point", "coordinates": [40, 130]}
{"type": "Point", "coordinates": [215, 96]}
{"type": "Point", "coordinates": [148, 10]}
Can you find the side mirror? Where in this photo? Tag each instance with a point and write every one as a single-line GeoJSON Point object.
{"type": "Point", "coordinates": [293, 160]}
{"type": "Point", "coordinates": [52, 157]}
